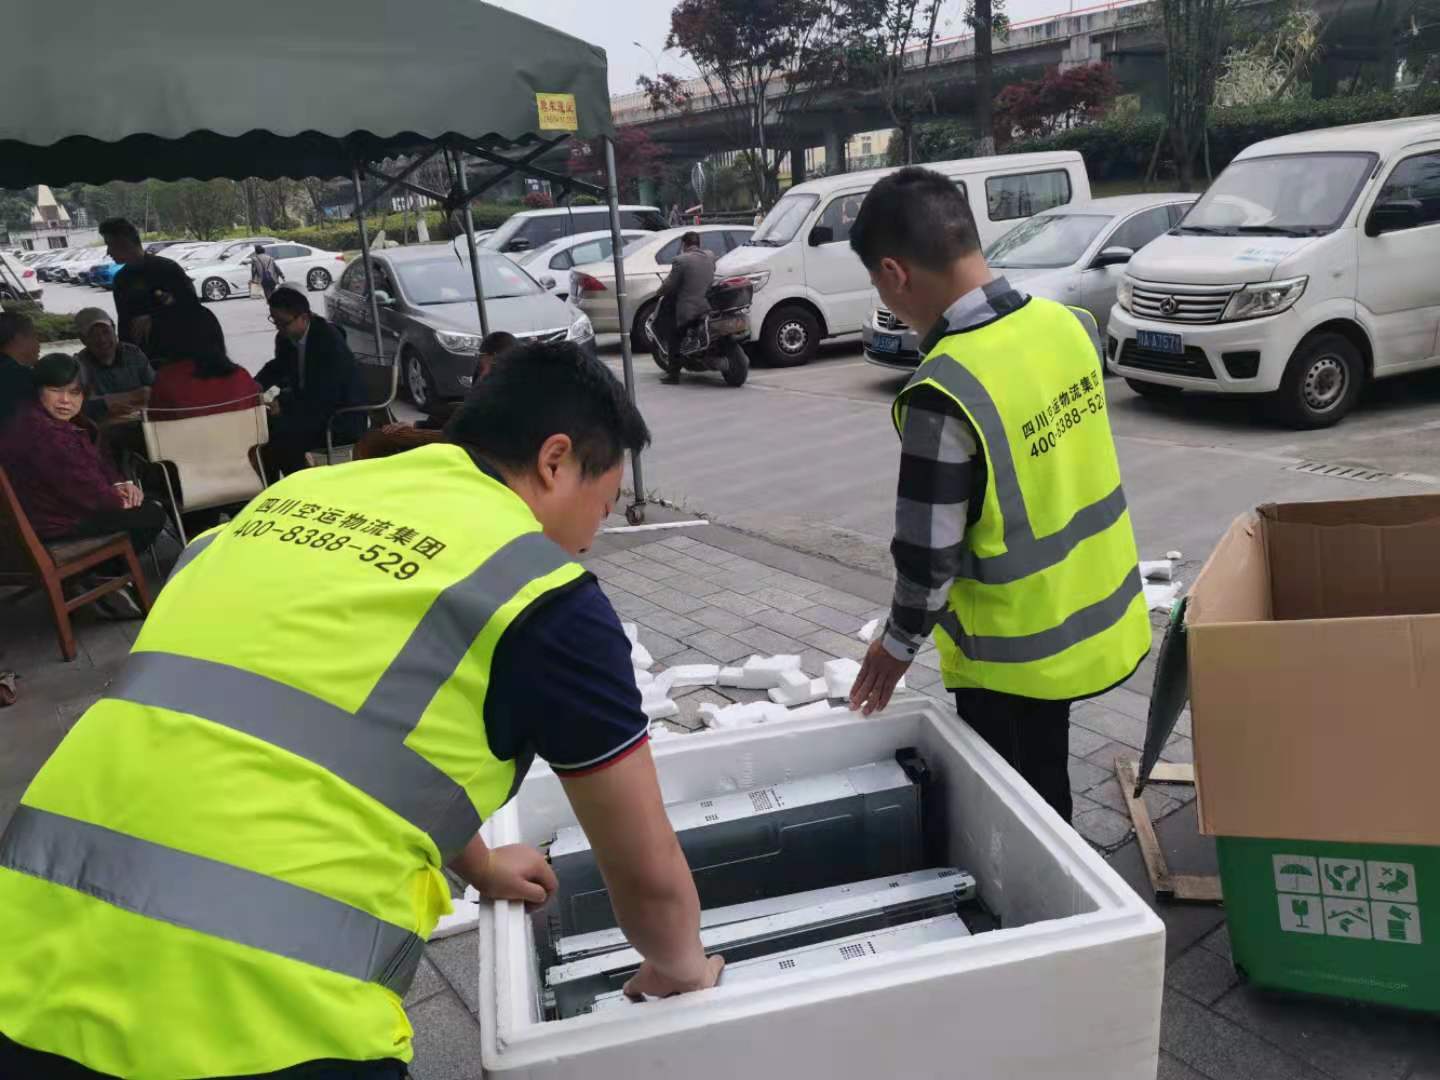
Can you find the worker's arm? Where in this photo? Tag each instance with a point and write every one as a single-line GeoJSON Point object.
{"type": "Point", "coordinates": [650, 885]}
{"type": "Point", "coordinates": [938, 466]}
{"type": "Point", "coordinates": [672, 280]}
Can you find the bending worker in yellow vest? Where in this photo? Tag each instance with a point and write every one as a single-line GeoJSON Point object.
{"type": "Point", "coordinates": [1013, 544]}
{"type": "Point", "coordinates": [230, 865]}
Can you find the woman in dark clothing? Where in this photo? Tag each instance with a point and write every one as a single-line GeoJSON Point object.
{"type": "Point", "coordinates": [68, 490]}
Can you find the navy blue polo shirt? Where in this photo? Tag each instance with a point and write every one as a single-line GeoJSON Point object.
{"type": "Point", "coordinates": [562, 686]}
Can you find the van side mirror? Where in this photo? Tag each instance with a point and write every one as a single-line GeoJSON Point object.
{"type": "Point", "coordinates": [1391, 216]}
{"type": "Point", "coordinates": [518, 244]}
{"type": "Point", "coordinates": [821, 234]}
{"type": "Point", "coordinates": [1113, 256]}
{"type": "Point", "coordinates": [547, 282]}
{"type": "Point", "coordinates": [383, 298]}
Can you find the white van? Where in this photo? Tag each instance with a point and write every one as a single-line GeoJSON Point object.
{"type": "Point", "coordinates": [809, 285]}
{"type": "Point", "coordinates": [531, 229]}
{"type": "Point", "coordinates": [1307, 268]}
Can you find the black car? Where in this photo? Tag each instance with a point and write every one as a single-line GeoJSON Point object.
{"type": "Point", "coordinates": [428, 314]}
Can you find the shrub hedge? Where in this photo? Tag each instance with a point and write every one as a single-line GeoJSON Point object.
{"type": "Point", "coordinates": [50, 326]}
{"type": "Point", "coordinates": [1120, 148]}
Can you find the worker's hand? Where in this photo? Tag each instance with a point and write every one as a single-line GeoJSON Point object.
{"type": "Point", "coordinates": [876, 681]}
{"type": "Point", "coordinates": [130, 495]}
{"type": "Point", "coordinates": [516, 872]}
{"type": "Point", "coordinates": [648, 982]}
{"type": "Point", "coordinates": [396, 429]}
{"type": "Point", "coordinates": [140, 328]}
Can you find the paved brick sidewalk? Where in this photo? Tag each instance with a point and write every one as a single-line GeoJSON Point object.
{"type": "Point", "coordinates": [711, 595]}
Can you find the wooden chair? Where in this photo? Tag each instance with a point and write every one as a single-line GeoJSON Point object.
{"type": "Point", "coordinates": [29, 563]}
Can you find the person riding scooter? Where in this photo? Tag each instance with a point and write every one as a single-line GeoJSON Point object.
{"type": "Point", "coordinates": [682, 298]}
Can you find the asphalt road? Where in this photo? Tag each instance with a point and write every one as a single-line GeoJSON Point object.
{"type": "Point", "coordinates": [807, 456]}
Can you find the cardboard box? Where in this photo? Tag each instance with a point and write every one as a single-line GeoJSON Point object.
{"type": "Point", "coordinates": [1076, 946]}
{"type": "Point", "coordinates": [1314, 649]}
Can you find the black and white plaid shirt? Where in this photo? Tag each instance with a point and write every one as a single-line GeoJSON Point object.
{"type": "Point", "coordinates": [942, 484]}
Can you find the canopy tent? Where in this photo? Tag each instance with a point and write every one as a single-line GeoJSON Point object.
{"type": "Point", "coordinates": [168, 89]}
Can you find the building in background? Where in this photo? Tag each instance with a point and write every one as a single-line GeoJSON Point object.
{"type": "Point", "coordinates": [51, 226]}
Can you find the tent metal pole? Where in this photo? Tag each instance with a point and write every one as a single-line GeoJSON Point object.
{"type": "Point", "coordinates": [369, 265]}
{"type": "Point", "coordinates": [463, 185]}
{"type": "Point", "coordinates": [636, 514]}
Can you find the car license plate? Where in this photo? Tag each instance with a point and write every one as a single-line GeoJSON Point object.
{"type": "Point", "coordinates": [887, 343]}
{"type": "Point", "coordinates": [1156, 341]}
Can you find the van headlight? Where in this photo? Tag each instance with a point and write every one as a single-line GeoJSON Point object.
{"type": "Point", "coordinates": [1267, 298]}
{"type": "Point", "coordinates": [465, 344]}
{"type": "Point", "coordinates": [758, 279]}
{"type": "Point", "coordinates": [580, 329]}
{"type": "Point", "coordinates": [1124, 292]}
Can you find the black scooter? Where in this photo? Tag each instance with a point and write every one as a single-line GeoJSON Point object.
{"type": "Point", "coordinates": [714, 343]}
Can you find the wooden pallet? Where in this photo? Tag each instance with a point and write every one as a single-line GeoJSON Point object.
{"type": "Point", "coordinates": [1189, 888]}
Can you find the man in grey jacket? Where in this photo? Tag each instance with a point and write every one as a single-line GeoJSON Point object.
{"type": "Point", "coordinates": [683, 294]}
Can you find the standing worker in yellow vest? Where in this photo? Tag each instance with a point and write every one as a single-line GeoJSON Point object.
{"type": "Point", "coordinates": [231, 864]}
{"type": "Point", "coordinates": [1013, 543]}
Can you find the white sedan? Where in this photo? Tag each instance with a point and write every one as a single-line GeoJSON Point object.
{"type": "Point", "coordinates": [299, 264]}
{"type": "Point", "coordinates": [550, 264]}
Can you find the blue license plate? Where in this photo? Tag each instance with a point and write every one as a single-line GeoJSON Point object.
{"type": "Point", "coordinates": [1156, 341]}
{"type": "Point", "coordinates": [887, 343]}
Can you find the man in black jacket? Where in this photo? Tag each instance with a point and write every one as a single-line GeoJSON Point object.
{"type": "Point", "coordinates": [19, 352]}
{"type": "Point", "coordinates": [149, 290]}
{"type": "Point", "coordinates": [317, 375]}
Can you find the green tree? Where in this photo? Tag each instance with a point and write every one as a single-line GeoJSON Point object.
{"type": "Point", "coordinates": [889, 47]}
{"type": "Point", "coordinates": [759, 61]}
{"type": "Point", "coordinates": [988, 20]}
{"type": "Point", "coordinates": [203, 208]}
{"type": "Point", "coordinates": [1195, 32]}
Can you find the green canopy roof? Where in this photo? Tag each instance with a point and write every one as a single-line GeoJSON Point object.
{"type": "Point", "coordinates": [192, 88]}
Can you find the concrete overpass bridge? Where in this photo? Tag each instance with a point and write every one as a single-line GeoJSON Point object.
{"type": "Point", "coordinates": [1124, 33]}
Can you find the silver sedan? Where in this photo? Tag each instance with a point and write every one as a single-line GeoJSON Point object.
{"type": "Point", "coordinates": [1074, 253]}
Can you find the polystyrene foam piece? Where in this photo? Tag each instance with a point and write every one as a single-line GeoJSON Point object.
{"type": "Point", "coordinates": [763, 672]}
{"type": "Point", "coordinates": [659, 708]}
{"type": "Point", "coordinates": [869, 630]}
{"type": "Point", "coordinates": [640, 656]}
{"type": "Point", "coordinates": [840, 677]}
{"type": "Point", "coordinates": [730, 676]}
{"type": "Point", "coordinates": [631, 631]}
{"type": "Point", "coordinates": [808, 691]}
{"type": "Point", "coordinates": [694, 674]}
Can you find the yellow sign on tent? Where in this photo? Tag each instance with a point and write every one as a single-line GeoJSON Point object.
{"type": "Point", "coordinates": [557, 112]}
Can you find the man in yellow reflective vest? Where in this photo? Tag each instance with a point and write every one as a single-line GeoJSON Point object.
{"type": "Point", "coordinates": [230, 865]}
{"type": "Point", "coordinates": [1013, 544]}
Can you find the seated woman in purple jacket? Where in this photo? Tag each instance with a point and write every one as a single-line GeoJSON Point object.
{"type": "Point", "coordinates": [68, 490]}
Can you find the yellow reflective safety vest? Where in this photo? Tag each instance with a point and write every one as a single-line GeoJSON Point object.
{"type": "Point", "coordinates": [1049, 603]}
{"type": "Point", "coordinates": [232, 861]}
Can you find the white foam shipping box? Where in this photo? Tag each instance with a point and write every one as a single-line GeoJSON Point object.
{"type": "Point", "coordinates": [1068, 989]}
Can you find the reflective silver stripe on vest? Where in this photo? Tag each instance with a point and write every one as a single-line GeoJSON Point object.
{"type": "Point", "coordinates": [194, 548]}
{"type": "Point", "coordinates": [1025, 553]}
{"type": "Point", "coordinates": [1086, 623]}
{"type": "Point", "coordinates": [211, 897]}
{"type": "Point", "coordinates": [367, 748]}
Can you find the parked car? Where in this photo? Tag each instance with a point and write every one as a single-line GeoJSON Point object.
{"type": "Point", "coordinates": [429, 319]}
{"type": "Point", "coordinates": [154, 247]}
{"type": "Point", "coordinates": [89, 274]}
{"type": "Point", "coordinates": [1074, 253]}
{"type": "Point", "coordinates": [196, 253]}
{"type": "Point", "coordinates": [300, 264]}
{"type": "Point", "coordinates": [45, 265]}
{"type": "Point", "coordinates": [17, 278]}
{"type": "Point", "coordinates": [808, 283]}
{"type": "Point", "coordinates": [1306, 269]}
{"type": "Point", "coordinates": [530, 229]}
{"type": "Point", "coordinates": [647, 264]}
{"type": "Point", "coordinates": [77, 270]}
{"type": "Point", "coordinates": [103, 276]}
{"type": "Point", "coordinates": [550, 263]}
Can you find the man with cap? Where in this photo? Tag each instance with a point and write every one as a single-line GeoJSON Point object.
{"type": "Point", "coordinates": [117, 374]}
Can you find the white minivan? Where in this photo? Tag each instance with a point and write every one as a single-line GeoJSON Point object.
{"type": "Point", "coordinates": [809, 285]}
{"type": "Point", "coordinates": [1309, 267]}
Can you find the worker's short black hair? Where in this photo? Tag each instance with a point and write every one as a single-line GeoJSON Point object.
{"type": "Point", "coordinates": [14, 325]}
{"type": "Point", "coordinates": [917, 215]}
{"type": "Point", "coordinates": [498, 342]}
{"type": "Point", "coordinates": [259, 249]}
{"type": "Point", "coordinates": [545, 389]}
{"type": "Point", "coordinates": [119, 226]}
{"type": "Point", "coordinates": [290, 301]}
{"type": "Point", "coordinates": [690, 239]}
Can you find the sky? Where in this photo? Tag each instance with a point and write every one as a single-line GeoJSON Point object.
{"type": "Point", "coordinates": [648, 22]}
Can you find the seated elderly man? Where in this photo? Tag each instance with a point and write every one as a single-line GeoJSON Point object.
{"type": "Point", "coordinates": [117, 374]}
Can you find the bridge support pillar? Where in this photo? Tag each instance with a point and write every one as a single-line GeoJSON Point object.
{"type": "Point", "coordinates": [835, 140]}
{"type": "Point", "coordinates": [797, 165]}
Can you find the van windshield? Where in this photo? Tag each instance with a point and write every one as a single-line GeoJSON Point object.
{"type": "Point", "coordinates": [1285, 195]}
{"type": "Point", "coordinates": [1046, 241]}
{"type": "Point", "coordinates": [783, 221]}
